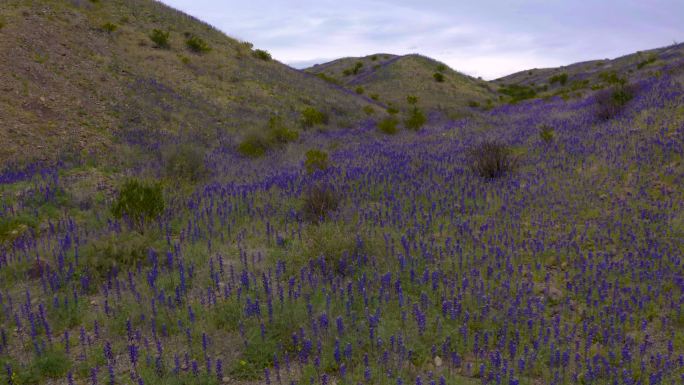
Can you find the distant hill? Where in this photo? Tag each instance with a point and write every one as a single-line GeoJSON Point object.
{"type": "Point", "coordinates": [579, 78]}
{"type": "Point", "coordinates": [391, 78]}
{"type": "Point", "coordinates": [85, 76]}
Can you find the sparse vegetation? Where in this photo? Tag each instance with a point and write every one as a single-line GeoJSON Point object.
{"type": "Point", "coordinates": [612, 101]}
{"type": "Point", "coordinates": [186, 162]}
{"type": "Point", "coordinates": [491, 159]}
{"type": "Point", "coordinates": [160, 38]}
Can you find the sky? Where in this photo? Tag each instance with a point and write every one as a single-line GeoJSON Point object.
{"type": "Point", "coordinates": [486, 38]}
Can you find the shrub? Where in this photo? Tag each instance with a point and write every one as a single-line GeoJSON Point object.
{"type": "Point", "coordinates": [316, 160]}
{"type": "Point", "coordinates": [278, 133]}
{"type": "Point", "coordinates": [612, 101]}
{"type": "Point", "coordinates": [139, 202]}
{"type": "Point", "coordinates": [546, 133]}
{"type": "Point", "coordinates": [651, 59]}
{"type": "Point", "coordinates": [412, 100]}
{"type": "Point", "coordinates": [441, 68]}
{"type": "Point", "coordinates": [109, 27]}
{"type": "Point", "coordinates": [491, 159]}
{"type": "Point", "coordinates": [473, 104]}
{"type": "Point", "coordinates": [439, 77]}
{"type": "Point", "coordinates": [262, 55]}
{"type": "Point", "coordinates": [375, 97]}
{"type": "Point", "coordinates": [359, 90]}
{"type": "Point", "coordinates": [415, 120]}
{"type": "Point", "coordinates": [388, 126]}
{"type": "Point", "coordinates": [253, 146]}
{"type": "Point", "coordinates": [186, 162]}
{"type": "Point", "coordinates": [560, 78]}
{"type": "Point", "coordinates": [53, 363]}
{"type": "Point", "coordinates": [319, 201]}
{"type": "Point", "coordinates": [160, 38]}
{"type": "Point", "coordinates": [197, 45]}
{"type": "Point", "coordinates": [518, 92]}
{"type": "Point", "coordinates": [312, 117]}
{"type": "Point", "coordinates": [368, 110]}
{"type": "Point", "coordinates": [353, 70]}
{"type": "Point", "coordinates": [328, 79]}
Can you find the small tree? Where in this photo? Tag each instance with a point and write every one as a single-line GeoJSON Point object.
{"type": "Point", "coordinates": [316, 160]}
{"type": "Point", "coordinates": [160, 38]}
{"type": "Point", "coordinates": [415, 120]}
{"type": "Point", "coordinates": [139, 202]}
{"type": "Point", "coordinates": [491, 159]}
{"type": "Point", "coordinates": [262, 55]}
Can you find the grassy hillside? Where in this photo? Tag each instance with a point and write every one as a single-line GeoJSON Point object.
{"type": "Point", "coordinates": [579, 79]}
{"type": "Point", "coordinates": [86, 76]}
{"type": "Point", "coordinates": [390, 79]}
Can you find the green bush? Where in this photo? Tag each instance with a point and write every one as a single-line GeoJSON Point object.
{"type": "Point", "coordinates": [441, 68]}
{"type": "Point", "coordinates": [52, 364]}
{"type": "Point", "coordinates": [612, 101]}
{"type": "Point", "coordinates": [121, 251]}
{"type": "Point", "coordinates": [651, 59]}
{"type": "Point", "coordinates": [546, 133]}
{"type": "Point", "coordinates": [312, 117]}
{"type": "Point", "coordinates": [328, 79]}
{"type": "Point", "coordinates": [518, 92]}
{"type": "Point", "coordinates": [319, 201]}
{"type": "Point", "coordinates": [262, 55]}
{"type": "Point", "coordinates": [560, 78]}
{"type": "Point", "coordinates": [368, 110]}
{"type": "Point", "coordinates": [491, 159]}
{"type": "Point", "coordinates": [439, 77]}
{"type": "Point", "coordinates": [315, 160]}
{"type": "Point", "coordinates": [359, 90]}
{"type": "Point", "coordinates": [185, 161]}
{"type": "Point", "coordinates": [139, 202]}
{"type": "Point", "coordinates": [109, 27]}
{"type": "Point", "coordinates": [160, 38]}
{"type": "Point", "coordinates": [197, 45]}
{"type": "Point", "coordinates": [473, 104]}
{"type": "Point", "coordinates": [388, 126]}
{"type": "Point", "coordinates": [412, 100]}
{"type": "Point", "coordinates": [279, 133]}
{"type": "Point", "coordinates": [375, 97]}
{"type": "Point", "coordinates": [415, 120]}
{"type": "Point", "coordinates": [253, 146]}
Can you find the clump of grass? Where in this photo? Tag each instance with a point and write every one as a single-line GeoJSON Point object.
{"type": "Point", "coordinates": [109, 27]}
{"type": "Point", "coordinates": [491, 159]}
{"type": "Point", "coordinates": [139, 202]}
{"type": "Point", "coordinates": [262, 55]}
{"type": "Point", "coordinates": [197, 44]}
{"type": "Point", "coordinates": [388, 126]}
{"type": "Point", "coordinates": [316, 160]}
{"type": "Point", "coordinates": [439, 77]}
{"type": "Point", "coordinates": [119, 251]}
{"type": "Point", "coordinates": [546, 133]}
{"type": "Point", "coordinates": [160, 38]}
{"type": "Point", "coordinates": [51, 364]}
{"type": "Point", "coordinates": [320, 200]}
{"type": "Point", "coordinates": [313, 117]}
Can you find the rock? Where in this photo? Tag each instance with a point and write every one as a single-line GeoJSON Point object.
{"type": "Point", "coordinates": [438, 361]}
{"type": "Point", "coordinates": [225, 380]}
{"type": "Point", "coordinates": [93, 303]}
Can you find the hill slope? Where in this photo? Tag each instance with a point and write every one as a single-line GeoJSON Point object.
{"type": "Point", "coordinates": [80, 75]}
{"type": "Point", "coordinates": [391, 78]}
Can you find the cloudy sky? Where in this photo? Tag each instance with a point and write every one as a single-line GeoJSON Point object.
{"type": "Point", "coordinates": [488, 38]}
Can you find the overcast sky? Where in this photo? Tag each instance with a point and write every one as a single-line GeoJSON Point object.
{"type": "Point", "coordinates": [488, 38]}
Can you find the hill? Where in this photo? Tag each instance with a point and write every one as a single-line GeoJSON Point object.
{"type": "Point", "coordinates": [86, 77]}
{"type": "Point", "coordinates": [582, 78]}
{"type": "Point", "coordinates": [391, 78]}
